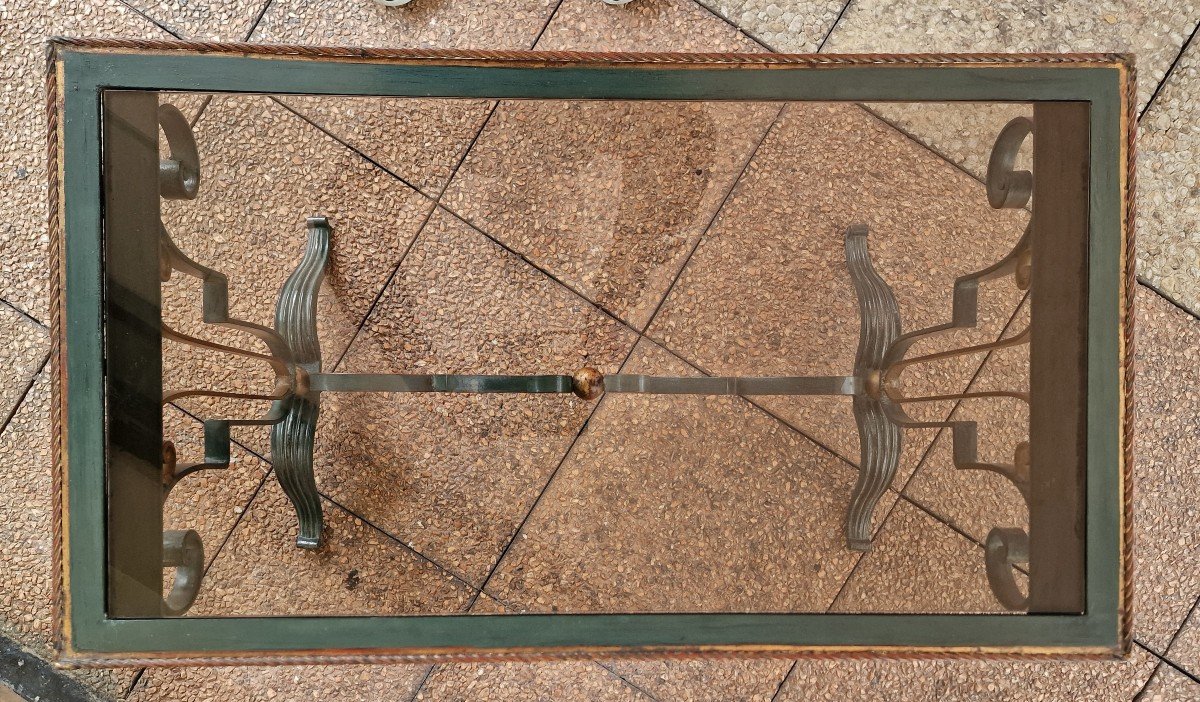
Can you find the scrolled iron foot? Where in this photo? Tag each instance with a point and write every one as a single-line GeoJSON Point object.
{"type": "Point", "coordinates": [292, 456]}
{"type": "Point", "coordinates": [184, 551]}
{"type": "Point", "coordinates": [879, 439]}
{"type": "Point", "coordinates": [292, 438]}
{"type": "Point", "coordinates": [1005, 548]}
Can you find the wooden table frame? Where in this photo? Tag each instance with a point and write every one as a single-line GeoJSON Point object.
{"type": "Point", "coordinates": [1084, 94]}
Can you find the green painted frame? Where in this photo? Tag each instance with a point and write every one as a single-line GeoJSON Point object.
{"type": "Point", "coordinates": [79, 70]}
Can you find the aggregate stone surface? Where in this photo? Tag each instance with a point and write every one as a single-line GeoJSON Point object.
{"type": "Point", "coordinates": [1154, 30]}
{"type": "Point", "coordinates": [21, 356]}
{"type": "Point", "coordinates": [1164, 516]}
{"type": "Point", "coordinates": [1168, 240]}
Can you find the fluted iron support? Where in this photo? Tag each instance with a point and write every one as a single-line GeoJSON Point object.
{"type": "Point", "coordinates": [292, 456]}
{"type": "Point", "coordinates": [292, 438]}
{"type": "Point", "coordinates": [879, 439]}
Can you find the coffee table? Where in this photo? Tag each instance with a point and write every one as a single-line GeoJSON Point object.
{"type": "Point", "coordinates": [124, 150]}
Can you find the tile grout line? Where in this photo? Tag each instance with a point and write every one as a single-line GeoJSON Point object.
{"type": "Point", "coordinates": [144, 15]}
{"type": "Point", "coordinates": [737, 27]}
{"type": "Point", "coordinates": [1137, 696]}
{"type": "Point", "coordinates": [238, 520]}
{"type": "Point", "coordinates": [917, 141]}
{"type": "Point", "coordinates": [854, 568]}
{"type": "Point", "coordinates": [137, 677]}
{"type": "Point", "coordinates": [1167, 74]}
{"type": "Point", "coordinates": [416, 693]}
{"type": "Point", "coordinates": [683, 265]}
{"type": "Point", "coordinates": [607, 667]}
{"type": "Point", "coordinates": [383, 288]}
{"type": "Point", "coordinates": [1175, 637]}
{"type": "Point", "coordinates": [23, 313]}
{"type": "Point", "coordinates": [546, 486]}
{"type": "Point", "coordinates": [249, 33]}
{"type": "Point", "coordinates": [33, 378]}
{"type": "Point", "coordinates": [420, 230]}
{"type": "Point", "coordinates": [540, 269]}
{"type": "Point", "coordinates": [1163, 659]}
{"type": "Point", "coordinates": [912, 501]}
{"type": "Point", "coordinates": [258, 19]}
{"type": "Point", "coordinates": [245, 447]}
{"type": "Point", "coordinates": [837, 20]}
{"type": "Point", "coordinates": [749, 400]}
{"type": "Point", "coordinates": [350, 147]}
{"type": "Point", "coordinates": [1179, 668]}
{"type": "Point", "coordinates": [200, 111]}
{"type": "Point", "coordinates": [1149, 285]}
{"type": "Point", "coordinates": [783, 681]}
{"type": "Point", "coordinates": [412, 549]}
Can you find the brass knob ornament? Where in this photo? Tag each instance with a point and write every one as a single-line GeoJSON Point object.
{"type": "Point", "coordinates": [587, 383]}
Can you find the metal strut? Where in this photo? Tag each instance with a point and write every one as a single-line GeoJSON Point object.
{"type": "Point", "coordinates": [618, 383]}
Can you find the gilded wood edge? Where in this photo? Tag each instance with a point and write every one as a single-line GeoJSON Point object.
{"type": "Point", "coordinates": [1127, 409]}
{"type": "Point", "coordinates": [532, 655]}
{"type": "Point", "coordinates": [578, 58]}
{"type": "Point", "coordinates": [60, 598]}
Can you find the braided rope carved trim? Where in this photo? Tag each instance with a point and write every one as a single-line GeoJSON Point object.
{"type": "Point", "coordinates": [1129, 406]}
{"type": "Point", "coordinates": [575, 57]}
{"type": "Point", "coordinates": [58, 408]}
{"type": "Point", "coordinates": [531, 656]}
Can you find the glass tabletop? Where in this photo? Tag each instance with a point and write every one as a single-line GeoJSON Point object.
{"type": "Point", "coordinates": [444, 356]}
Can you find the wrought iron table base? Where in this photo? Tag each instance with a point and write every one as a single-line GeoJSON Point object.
{"type": "Point", "coordinates": [293, 432]}
{"type": "Point", "coordinates": [878, 406]}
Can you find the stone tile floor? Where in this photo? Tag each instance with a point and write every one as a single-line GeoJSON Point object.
{"type": "Point", "coordinates": [506, 553]}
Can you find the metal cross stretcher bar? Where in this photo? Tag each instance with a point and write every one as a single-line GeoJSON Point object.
{"type": "Point", "coordinates": [578, 384]}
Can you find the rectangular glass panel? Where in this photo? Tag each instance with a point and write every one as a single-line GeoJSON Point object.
{"type": "Point", "coordinates": [419, 427]}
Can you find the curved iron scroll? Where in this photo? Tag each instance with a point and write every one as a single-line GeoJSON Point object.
{"type": "Point", "coordinates": [1008, 189]}
{"type": "Point", "coordinates": [184, 551]}
{"type": "Point", "coordinates": [179, 179]}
